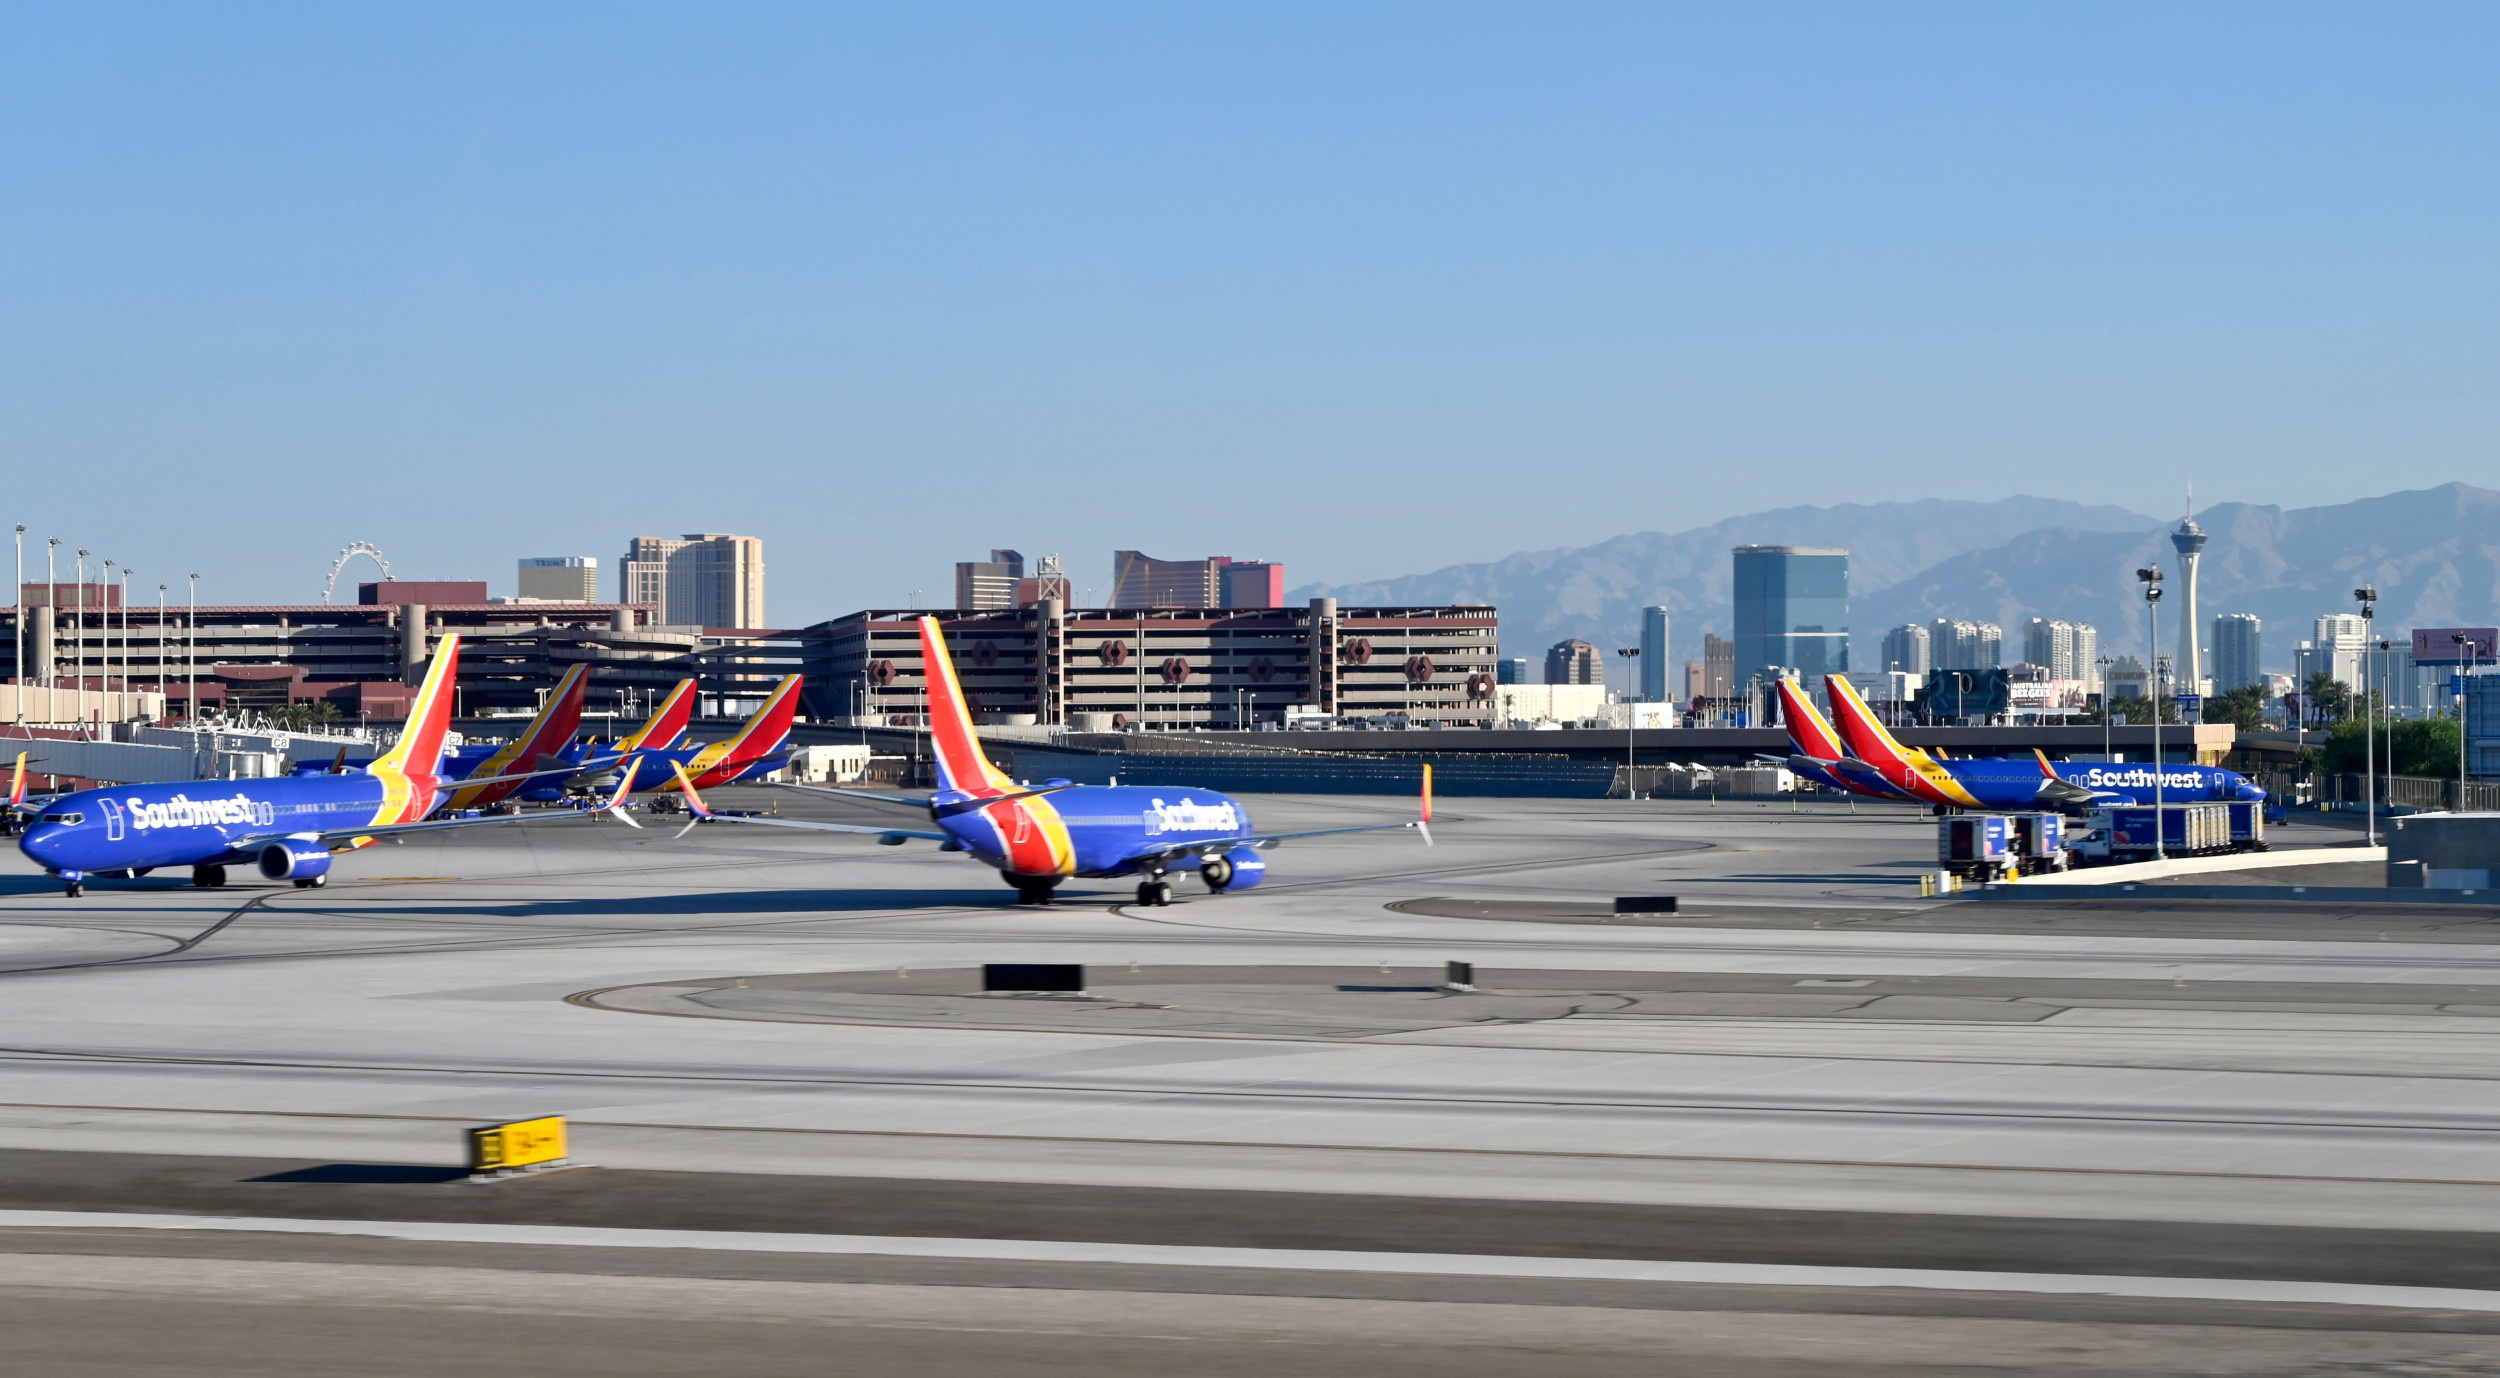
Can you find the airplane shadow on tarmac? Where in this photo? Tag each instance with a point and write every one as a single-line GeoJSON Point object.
{"type": "Point", "coordinates": [743, 902]}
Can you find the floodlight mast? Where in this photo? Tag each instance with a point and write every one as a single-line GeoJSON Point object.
{"type": "Point", "coordinates": [2367, 596]}
{"type": "Point", "coordinates": [2150, 577]}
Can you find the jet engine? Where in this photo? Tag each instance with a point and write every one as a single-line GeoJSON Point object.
{"type": "Point", "coordinates": [295, 860]}
{"type": "Point", "coordinates": [1238, 869]}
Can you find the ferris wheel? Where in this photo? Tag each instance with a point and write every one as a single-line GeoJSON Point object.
{"type": "Point", "coordinates": [364, 548]}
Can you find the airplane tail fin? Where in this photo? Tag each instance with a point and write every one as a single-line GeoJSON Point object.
{"type": "Point", "coordinates": [961, 765]}
{"type": "Point", "coordinates": [1809, 733]}
{"type": "Point", "coordinates": [1859, 728]}
{"type": "Point", "coordinates": [667, 722]}
{"type": "Point", "coordinates": [766, 727]}
{"type": "Point", "coordinates": [419, 751]}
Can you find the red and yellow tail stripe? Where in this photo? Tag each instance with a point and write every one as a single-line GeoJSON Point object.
{"type": "Point", "coordinates": [764, 730]}
{"type": "Point", "coordinates": [1808, 732]}
{"type": "Point", "coordinates": [547, 735]}
{"type": "Point", "coordinates": [409, 770]}
{"type": "Point", "coordinates": [1032, 835]}
{"type": "Point", "coordinates": [667, 722]}
{"type": "Point", "coordinates": [1905, 769]}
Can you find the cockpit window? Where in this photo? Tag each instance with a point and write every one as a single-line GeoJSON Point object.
{"type": "Point", "coordinates": [70, 818]}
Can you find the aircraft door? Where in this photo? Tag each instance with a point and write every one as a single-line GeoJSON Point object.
{"type": "Point", "coordinates": [112, 821]}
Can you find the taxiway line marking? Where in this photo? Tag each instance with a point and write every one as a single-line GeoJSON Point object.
{"type": "Point", "coordinates": [1307, 1260]}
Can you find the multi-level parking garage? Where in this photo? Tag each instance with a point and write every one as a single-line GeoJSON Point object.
{"type": "Point", "coordinates": [1809, 1123]}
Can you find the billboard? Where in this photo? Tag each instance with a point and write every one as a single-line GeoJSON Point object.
{"type": "Point", "coordinates": [2455, 645]}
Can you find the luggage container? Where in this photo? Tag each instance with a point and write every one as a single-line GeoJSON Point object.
{"type": "Point", "coordinates": [1976, 846]}
{"type": "Point", "coordinates": [2040, 842]}
{"type": "Point", "coordinates": [2248, 826]}
{"type": "Point", "coordinates": [2126, 833]}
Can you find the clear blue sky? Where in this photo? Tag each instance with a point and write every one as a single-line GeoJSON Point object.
{"type": "Point", "coordinates": [1368, 289]}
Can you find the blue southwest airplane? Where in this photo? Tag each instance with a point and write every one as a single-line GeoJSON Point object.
{"type": "Point", "coordinates": [1863, 758]}
{"type": "Point", "coordinates": [290, 827]}
{"type": "Point", "coordinates": [1037, 838]}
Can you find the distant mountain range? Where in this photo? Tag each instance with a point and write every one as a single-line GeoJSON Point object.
{"type": "Point", "coordinates": [2434, 555]}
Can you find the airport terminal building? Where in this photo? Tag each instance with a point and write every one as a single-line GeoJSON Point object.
{"type": "Point", "coordinates": [1165, 669]}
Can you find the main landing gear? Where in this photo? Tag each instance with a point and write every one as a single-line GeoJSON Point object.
{"type": "Point", "coordinates": [1155, 892]}
{"type": "Point", "coordinates": [208, 877]}
{"type": "Point", "coordinates": [311, 882]}
{"type": "Point", "coordinates": [1031, 891]}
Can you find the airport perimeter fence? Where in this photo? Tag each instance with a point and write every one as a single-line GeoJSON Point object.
{"type": "Point", "coordinates": [2409, 792]}
{"type": "Point", "coordinates": [1326, 773]}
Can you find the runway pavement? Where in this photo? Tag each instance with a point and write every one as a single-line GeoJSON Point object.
{"type": "Point", "coordinates": [1808, 1065]}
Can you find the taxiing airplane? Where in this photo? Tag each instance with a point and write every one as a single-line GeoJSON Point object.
{"type": "Point", "coordinates": [1037, 838]}
{"type": "Point", "coordinates": [290, 826]}
{"type": "Point", "coordinates": [1993, 784]}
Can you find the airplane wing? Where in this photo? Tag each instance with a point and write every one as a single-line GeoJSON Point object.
{"type": "Point", "coordinates": [357, 837]}
{"type": "Point", "coordinates": [1263, 841]}
{"type": "Point", "coordinates": [902, 799]}
{"type": "Point", "coordinates": [891, 837]}
{"type": "Point", "coordinates": [1165, 851]}
{"type": "Point", "coordinates": [1849, 768]}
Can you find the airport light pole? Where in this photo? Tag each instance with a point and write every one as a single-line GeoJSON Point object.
{"type": "Point", "coordinates": [17, 621]}
{"type": "Point", "coordinates": [52, 656]}
{"type": "Point", "coordinates": [2104, 663]}
{"type": "Point", "coordinates": [2367, 596]}
{"type": "Point", "coordinates": [2150, 577]}
{"type": "Point", "coordinates": [191, 660]}
{"type": "Point", "coordinates": [2465, 642]}
{"type": "Point", "coordinates": [1630, 655]}
{"type": "Point", "coordinates": [160, 640]}
{"type": "Point", "coordinates": [105, 681]}
{"type": "Point", "coordinates": [79, 646]}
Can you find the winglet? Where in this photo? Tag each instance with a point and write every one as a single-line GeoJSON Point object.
{"type": "Point", "coordinates": [17, 783]}
{"type": "Point", "coordinates": [2045, 768]}
{"type": "Point", "coordinates": [624, 789]}
{"type": "Point", "coordinates": [694, 801]}
{"type": "Point", "coordinates": [338, 766]}
{"type": "Point", "coordinates": [1427, 792]}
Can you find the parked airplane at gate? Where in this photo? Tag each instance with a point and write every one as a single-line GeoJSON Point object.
{"type": "Point", "coordinates": [1037, 838]}
{"type": "Point", "coordinates": [290, 827]}
{"type": "Point", "coordinates": [548, 737]}
{"type": "Point", "coordinates": [1995, 784]}
{"type": "Point", "coordinates": [754, 749]}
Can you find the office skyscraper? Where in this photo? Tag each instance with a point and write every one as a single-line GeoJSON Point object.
{"type": "Point", "coordinates": [988, 585]}
{"type": "Point", "coordinates": [1574, 662]}
{"type": "Point", "coordinates": [2235, 652]}
{"type": "Point", "coordinates": [1961, 645]}
{"type": "Point", "coordinates": [2065, 649]}
{"type": "Point", "coordinates": [560, 578]}
{"type": "Point", "coordinates": [1792, 612]}
{"type": "Point", "coordinates": [1718, 666]}
{"type": "Point", "coordinates": [704, 579]}
{"type": "Point", "coordinates": [1907, 650]}
{"type": "Point", "coordinates": [1653, 655]}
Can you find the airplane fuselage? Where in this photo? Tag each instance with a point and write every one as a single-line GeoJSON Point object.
{"type": "Point", "coordinates": [142, 827]}
{"type": "Point", "coordinates": [1088, 830]}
